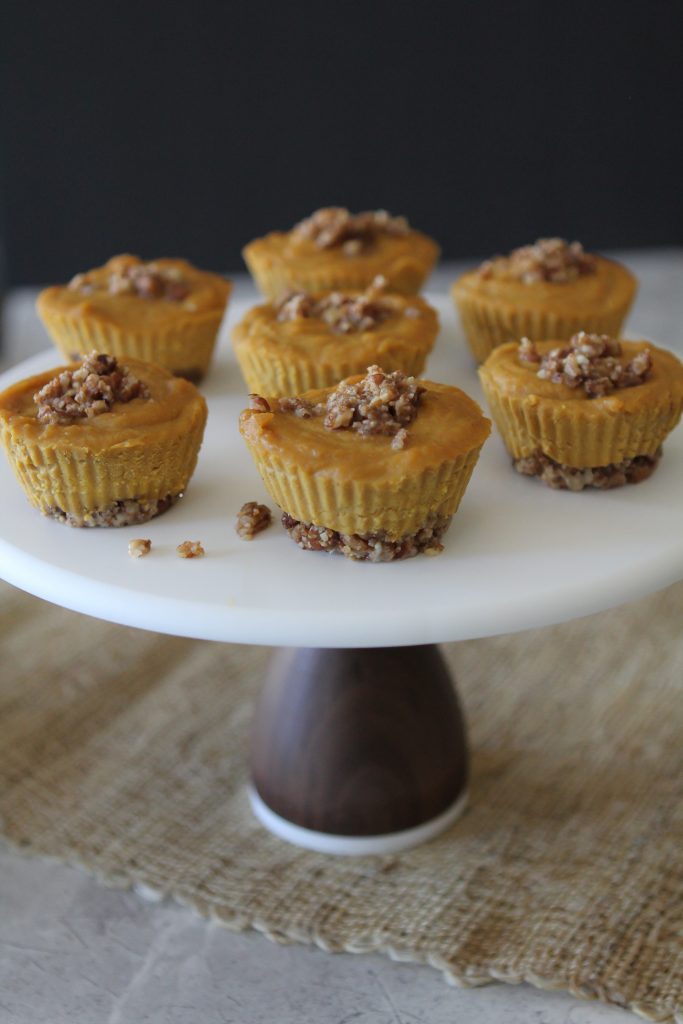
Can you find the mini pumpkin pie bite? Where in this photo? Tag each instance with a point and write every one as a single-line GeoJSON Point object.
{"type": "Point", "coordinates": [337, 250]}
{"type": "Point", "coordinates": [315, 340]}
{"type": "Point", "coordinates": [165, 311]}
{"type": "Point", "coordinates": [374, 468]}
{"type": "Point", "coordinates": [591, 413]}
{"type": "Point", "coordinates": [551, 289]}
{"type": "Point", "coordinates": [102, 443]}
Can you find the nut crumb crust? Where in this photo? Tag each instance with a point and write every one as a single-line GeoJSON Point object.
{"type": "Point", "coordinates": [127, 512]}
{"type": "Point", "coordinates": [568, 478]}
{"type": "Point", "coordinates": [371, 547]}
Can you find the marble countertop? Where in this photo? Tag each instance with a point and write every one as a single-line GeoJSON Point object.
{"type": "Point", "coordinates": [74, 952]}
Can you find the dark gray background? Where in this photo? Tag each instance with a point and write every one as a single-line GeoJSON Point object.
{"type": "Point", "coordinates": [165, 130]}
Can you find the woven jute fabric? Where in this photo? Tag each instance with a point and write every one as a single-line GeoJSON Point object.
{"type": "Point", "coordinates": [125, 752]}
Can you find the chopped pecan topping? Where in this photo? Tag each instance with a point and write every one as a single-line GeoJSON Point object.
{"type": "Point", "coordinates": [258, 403]}
{"type": "Point", "coordinates": [139, 547]}
{"type": "Point", "coordinates": [548, 259]}
{"type": "Point", "coordinates": [190, 549]}
{"type": "Point", "coordinates": [590, 361]}
{"type": "Point", "coordinates": [146, 280]}
{"type": "Point", "coordinates": [400, 439]}
{"type": "Point", "coordinates": [92, 388]}
{"type": "Point", "coordinates": [298, 406]}
{"type": "Point", "coordinates": [353, 247]}
{"type": "Point", "coordinates": [251, 519]}
{"type": "Point", "coordinates": [296, 306]}
{"type": "Point", "coordinates": [528, 353]}
{"type": "Point", "coordinates": [368, 547]}
{"type": "Point", "coordinates": [380, 403]}
{"type": "Point", "coordinates": [334, 226]}
{"type": "Point", "coordinates": [345, 314]}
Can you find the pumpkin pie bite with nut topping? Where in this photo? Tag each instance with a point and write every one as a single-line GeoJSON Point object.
{"type": "Point", "coordinates": [551, 289]}
{"type": "Point", "coordinates": [592, 412]}
{"type": "Point", "coordinates": [374, 468]}
{"type": "Point", "coordinates": [101, 443]}
{"type": "Point", "coordinates": [164, 311]}
{"type": "Point", "coordinates": [337, 250]}
{"type": "Point", "coordinates": [310, 341]}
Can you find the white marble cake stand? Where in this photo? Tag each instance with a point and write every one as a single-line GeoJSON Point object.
{"type": "Point", "coordinates": [518, 555]}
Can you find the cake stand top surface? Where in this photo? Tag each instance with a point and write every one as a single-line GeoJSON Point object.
{"type": "Point", "coordinates": [517, 555]}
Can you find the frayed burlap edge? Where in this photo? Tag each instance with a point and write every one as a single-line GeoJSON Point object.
{"type": "Point", "coordinates": [658, 621]}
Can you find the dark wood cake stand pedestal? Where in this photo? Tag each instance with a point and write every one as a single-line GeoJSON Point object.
{"type": "Point", "coordinates": [358, 750]}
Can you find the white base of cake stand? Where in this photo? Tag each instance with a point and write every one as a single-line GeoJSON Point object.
{"type": "Point", "coordinates": [354, 846]}
{"type": "Point", "coordinates": [517, 556]}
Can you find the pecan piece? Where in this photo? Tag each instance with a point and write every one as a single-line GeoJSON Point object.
{"type": "Point", "coordinates": [190, 549]}
{"type": "Point", "coordinates": [252, 518]}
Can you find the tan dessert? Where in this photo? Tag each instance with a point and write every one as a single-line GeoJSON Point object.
{"type": "Point", "coordinates": [337, 250]}
{"type": "Point", "coordinates": [374, 468]}
{"type": "Point", "coordinates": [315, 340]}
{"type": "Point", "coordinates": [551, 289]}
{"type": "Point", "coordinates": [165, 311]}
{"type": "Point", "coordinates": [100, 443]}
{"type": "Point", "coordinates": [590, 413]}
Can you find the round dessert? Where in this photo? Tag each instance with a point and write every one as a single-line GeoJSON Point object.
{"type": "Point", "coordinates": [334, 249]}
{"type": "Point", "coordinates": [590, 413]}
{"type": "Point", "coordinates": [374, 468]}
{"type": "Point", "coordinates": [165, 312]}
{"type": "Point", "coordinates": [551, 289]}
{"type": "Point", "coordinates": [100, 443]}
{"type": "Point", "coordinates": [313, 341]}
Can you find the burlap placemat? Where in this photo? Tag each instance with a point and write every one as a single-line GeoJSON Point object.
{"type": "Point", "coordinates": [124, 751]}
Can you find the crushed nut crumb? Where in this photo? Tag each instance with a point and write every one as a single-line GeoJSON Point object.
{"type": "Point", "coordinates": [334, 226]}
{"type": "Point", "coordinates": [92, 388]}
{"type": "Point", "coordinates": [528, 353]}
{"type": "Point", "coordinates": [370, 547]}
{"type": "Point", "coordinates": [353, 247]}
{"type": "Point", "coordinates": [252, 518]}
{"type": "Point", "coordinates": [589, 361]}
{"type": "Point", "coordinates": [548, 259]}
{"type": "Point", "coordinates": [380, 403]}
{"type": "Point", "coordinates": [139, 547]}
{"type": "Point", "coordinates": [258, 403]}
{"type": "Point", "coordinates": [400, 439]}
{"type": "Point", "coordinates": [190, 549]}
{"type": "Point", "coordinates": [568, 478]}
{"type": "Point", "coordinates": [125, 512]}
{"type": "Point", "coordinates": [344, 314]}
{"type": "Point", "coordinates": [298, 406]}
{"type": "Point", "coordinates": [435, 549]}
{"type": "Point", "coordinates": [145, 280]}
